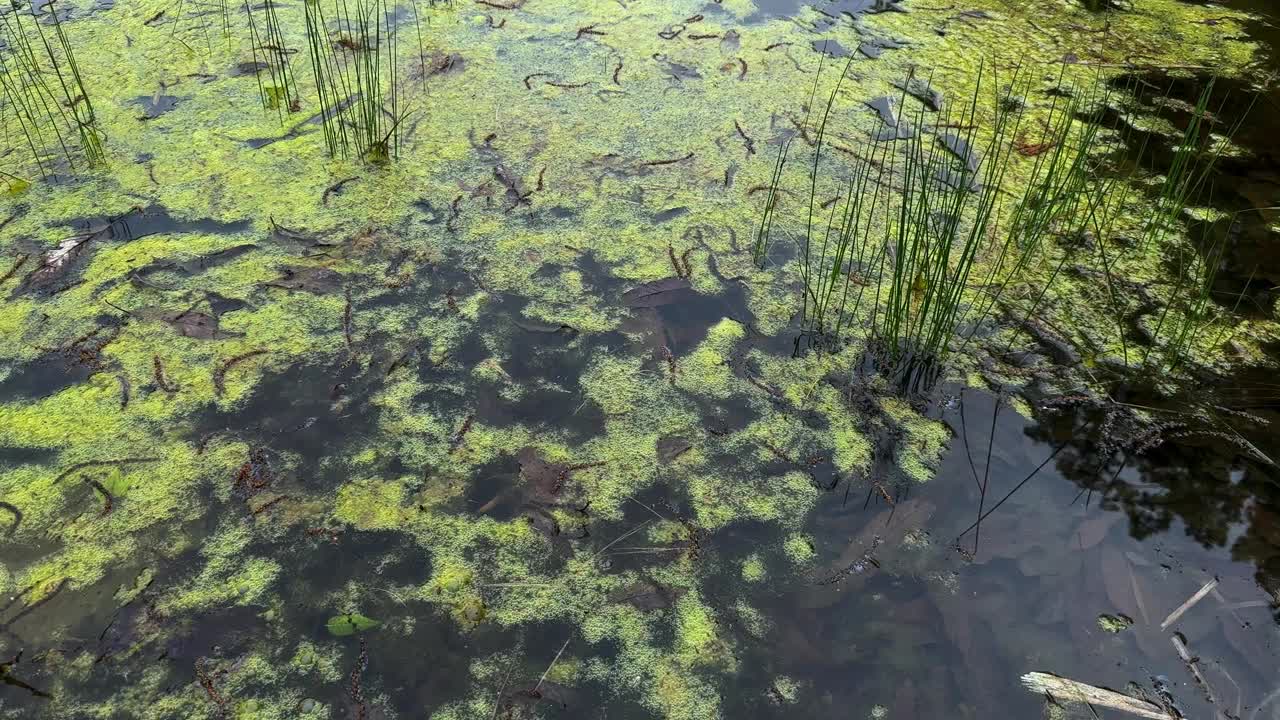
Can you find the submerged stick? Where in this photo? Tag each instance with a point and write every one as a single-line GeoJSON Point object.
{"type": "Point", "coordinates": [554, 660]}
{"type": "Point", "coordinates": [220, 372]}
{"type": "Point", "coordinates": [33, 606]}
{"type": "Point", "coordinates": [1060, 689]}
{"type": "Point", "coordinates": [1180, 645]}
{"type": "Point", "coordinates": [1190, 602]}
{"type": "Point", "coordinates": [99, 463]}
{"type": "Point", "coordinates": [107, 504]}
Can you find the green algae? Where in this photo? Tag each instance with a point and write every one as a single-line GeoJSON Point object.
{"type": "Point", "coordinates": [411, 471]}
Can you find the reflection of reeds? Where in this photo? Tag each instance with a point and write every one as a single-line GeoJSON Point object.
{"type": "Point", "coordinates": [357, 76]}
{"type": "Point", "coordinates": [43, 87]}
{"type": "Point", "coordinates": [1189, 308]}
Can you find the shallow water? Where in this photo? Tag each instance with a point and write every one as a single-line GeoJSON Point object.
{"type": "Point", "coordinates": [285, 436]}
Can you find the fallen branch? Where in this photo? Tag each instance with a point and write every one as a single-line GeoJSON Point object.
{"type": "Point", "coordinates": [1063, 690]}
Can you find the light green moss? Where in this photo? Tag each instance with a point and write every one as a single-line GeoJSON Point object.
{"type": "Point", "coordinates": [371, 504]}
{"type": "Point", "coordinates": [799, 549]}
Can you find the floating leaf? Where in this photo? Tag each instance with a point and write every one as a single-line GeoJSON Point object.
{"type": "Point", "coordinates": [15, 185]}
{"type": "Point", "coordinates": [350, 624]}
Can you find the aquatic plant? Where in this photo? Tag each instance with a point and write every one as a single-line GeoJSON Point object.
{"type": "Point", "coordinates": [282, 93]}
{"type": "Point", "coordinates": [357, 76]}
{"type": "Point", "coordinates": [934, 225]}
{"type": "Point", "coordinates": [1063, 195]}
{"type": "Point", "coordinates": [43, 86]}
{"type": "Point", "coordinates": [1184, 184]}
{"type": "Point", "coordinates": [943, 218]}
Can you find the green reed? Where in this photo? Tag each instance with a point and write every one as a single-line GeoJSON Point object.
{"type": "Point", "coordinates": [43, 87]}
{"type": "Point", "coordinates": [943, 219]}
{"type": "Point", "coordinates": [271, 52]}
{"type": "Point", "coordinates": [913, 218]}
{"type": "Point", "coordinates": [357, 76]}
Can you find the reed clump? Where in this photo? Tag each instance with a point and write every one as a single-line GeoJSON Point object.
{"type": "Point", "coordinates": [44, 91]}
{"type": "Point", "coordinates": [354, 50]}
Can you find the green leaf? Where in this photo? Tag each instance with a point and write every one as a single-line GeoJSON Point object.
{"type": "Point", "coordinates": [117, 484]}
{"type": "Point", "coordinates": [16, 186]}
{"type": "Point", "coordinates": [350, 624]}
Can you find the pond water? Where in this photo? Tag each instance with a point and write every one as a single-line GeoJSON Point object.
{"type": "Point", "coordinates": [431, 360]}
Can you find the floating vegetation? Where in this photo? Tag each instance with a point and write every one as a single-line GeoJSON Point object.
{"type": "Point", "coordinates": [510, 424]}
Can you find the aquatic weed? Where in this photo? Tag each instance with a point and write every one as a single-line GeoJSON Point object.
{"type": "Point", "coordinates": [282, 93]}
{"type": "Point", "coordinates": [42, 85]}
{"type": "Point", "coordinates": [356, 70]}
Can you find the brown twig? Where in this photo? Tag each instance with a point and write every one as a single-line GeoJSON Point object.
{"type": "Point", "coordinates": [459, 436]}
{"type": "Point", "coordinates": [17, 265]}
{"type": "Point", "coordinates": [616, 71]}
{"type": "Point", "coordinates": [270, 504]}
{"type": "Point", "coordinates": [776, 45]}
{"type": "Point", "coordinates": [162, 382]}
{"type": "Point", "coordinates": [346, 320]}
{"type": "Point", "coordinates": [355, 689]}
{"type": "Point", "coordinates": [206, 682]}
{"type": "Point", "coordinates": [589, 30]}
{"type": "Point", "coordinates": [742, 75]}
{"type": "Point", "coordinates": [673, 161]}
{"type": "Point", "coordinates": [220, 372]}
{"type": "Point", "coordinates": [531, 76]}
{"type": "Point", "coordinates": [778, 453]}
{"type": "Point", "coordinates": [751, 144]}
{"type": "Point", "coordinates": [107, 504]}
{"type": "Point", "coordinates": [124, 390]}
{"type": "Point", "coordinates": [336, 188]}
{"type": "Point", "coordinates": [772, 391]}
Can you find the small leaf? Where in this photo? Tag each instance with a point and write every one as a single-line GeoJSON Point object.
{"type": "Point", "coordinates": [117, 483]}
{"type": "Point", "coordinates": [350, 624]}
{"type": "Point", "coordinates": [16, 186]}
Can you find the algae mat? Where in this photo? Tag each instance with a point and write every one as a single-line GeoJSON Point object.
{"type": "Point", "coordinates": [514, 407]}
